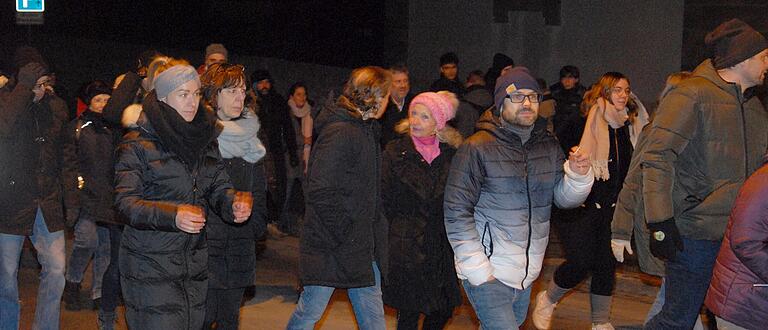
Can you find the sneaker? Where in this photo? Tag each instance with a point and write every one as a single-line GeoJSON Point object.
{"type": "Point", "coordinates": [602, 326]}
{"type": "Point", "coordinates": [542, 312]}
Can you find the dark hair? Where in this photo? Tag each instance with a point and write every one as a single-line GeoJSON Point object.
{"type": "Point", "coordinates": [399, 68]}
{"type": "Point", "coordinates": [220, 76]}
{"type": "Point", "coordinates": [295, 86]}
{"type": "Point", "coordinates": [569, 71]}
{"type": "Point", "coordinates": [542, 84]}
{"type": "Point", "coordinates": [449, 58]}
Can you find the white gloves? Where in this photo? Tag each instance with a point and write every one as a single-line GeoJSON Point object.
{"type": "Point", "coordinates": [618, 246]}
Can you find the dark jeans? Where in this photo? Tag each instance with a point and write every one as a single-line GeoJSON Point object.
{"type": "Point", "coordinates": [586, 240]}
{"type": "Point", "coordinates": [223, 308]}
{"type": "Point", "coordinates": [686, 283]}
{"type": "Point", "coordinates": [407, 320]}
{"type": "Point", "coordinates": [110, 287]}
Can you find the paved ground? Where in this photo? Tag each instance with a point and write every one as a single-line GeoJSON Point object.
{"type": "Point", "coordinates": [275, 299]}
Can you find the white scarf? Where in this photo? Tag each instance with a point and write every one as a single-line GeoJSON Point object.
{"type": "Point", "coordinates": [299, 112]}
{"type": "Point", "coordinates": [239, 138]}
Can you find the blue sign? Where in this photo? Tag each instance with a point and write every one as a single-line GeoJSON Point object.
{"type": "Point", "coordinates": [30, 6]}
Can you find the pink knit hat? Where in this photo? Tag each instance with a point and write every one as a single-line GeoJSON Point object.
{"type": "Point", "coordinates": [437, 104]}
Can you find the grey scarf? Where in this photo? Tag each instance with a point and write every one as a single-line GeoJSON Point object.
{"type": "Point", "coordinates": [239, 138]}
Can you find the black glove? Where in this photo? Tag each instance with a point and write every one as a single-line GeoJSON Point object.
{"type": "Point", "coordinates": [665, 239]}
{"type": "Point", "coordinates": [30, 73]}
{"type": "Point", "coordinates": [72, 216]}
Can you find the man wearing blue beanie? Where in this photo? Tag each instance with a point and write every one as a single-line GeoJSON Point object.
{"type": "Point", "coordinates": [501, 186]}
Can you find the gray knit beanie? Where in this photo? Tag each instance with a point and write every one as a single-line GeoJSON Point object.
{"type": "Point", "coordinates": [216, 48]}
{"type": "Point", "coordinates": [175, 76]}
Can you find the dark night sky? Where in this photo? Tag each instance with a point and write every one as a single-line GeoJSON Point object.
{"type": "Point", "coordinates": [316, 31]}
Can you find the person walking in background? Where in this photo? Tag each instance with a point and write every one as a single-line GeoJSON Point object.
{"type": "Point", "coordinates": [422, 278]}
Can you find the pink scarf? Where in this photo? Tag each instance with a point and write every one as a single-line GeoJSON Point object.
{"type": "Point", "coordinates": [428, 147]}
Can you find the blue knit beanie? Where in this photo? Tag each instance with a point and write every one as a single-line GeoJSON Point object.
{"type": "Point", "coordinates": [175, 76]}
{"type": "Point", "coordinates": [516, 78]}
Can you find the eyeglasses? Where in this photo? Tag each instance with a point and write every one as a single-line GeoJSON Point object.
{"type": "Point", "coordinates": [520, 98]}
{"type": "Point", "coordinates": [618, 90]}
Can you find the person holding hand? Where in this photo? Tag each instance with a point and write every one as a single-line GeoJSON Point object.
{"type": "Point", "coordinates": [169, 177]}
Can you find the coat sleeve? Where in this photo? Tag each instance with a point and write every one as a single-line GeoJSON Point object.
{"type": "Point", "coordinates": [674, 127]}
{"type": "Point", "coordinates": [259, 191]}
{"type": "Point", "coordinates": [12, 108]}
{"type": "Point", "coordinates": [572, 188]}
{"type": "Point", "coordinates": [70, 166]}
{"type": "Point", "coordinates": [221, 194]}
{"type": "Point", "coordinates": [462, 192]}
{"type": "Point", "coordinates": [749, 225]}
{"type": "Point", "coordinates": [129, 192]}
{"type": "Point", "coordinates": [324, 189]}
{"type": "Point", "coordinates": [121, 98]}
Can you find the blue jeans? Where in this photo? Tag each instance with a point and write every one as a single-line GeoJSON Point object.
{"type": "Point", "coordinates": [51, 255]}
{"type": "Point", "coordinates": [90, 240]}
{"type": "Point", "coordinates": [686, 284]}
{"type": "Point", "coordinates": [498, 306]}
{"type": "Point", "coordinates": [366, 302]}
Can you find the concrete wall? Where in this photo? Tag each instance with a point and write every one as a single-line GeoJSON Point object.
{"type": "Point", "coordinates": [642, 39]}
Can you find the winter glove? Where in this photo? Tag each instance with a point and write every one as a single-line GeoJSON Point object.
{"type": "Point", "coordinates": [665, 239]}
{"type": "Point", "coordinates": [618, 246]}
{"type": "Point", "coordinates": [72, 215]}
{"type": "Point", "coordinates": [30, 73]}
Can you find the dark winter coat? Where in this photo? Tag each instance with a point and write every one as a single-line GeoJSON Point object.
{"type": "Point", "coordinates": [706, 139]}
{"type": "Point", "coordinates": [567, 121]}
{"type": "Point", "coordinates": [344, 230]}
{"type": "Point", "coordinates": [391, 117]}
{"type": "Point", "coordinates": [422, 276]}
{"type": "Point", "coordinates": [164, 271]}
{"type": "Point", "coordinates": [232, 247]}
{"type": "Point", "coordinates": [89, 145]}
{"type": "Point", "coordinates": [30, 160]}
{"type": "Point", "coordinates": [605, 192]}
{"type": "Point", "coordinates": [277, 131]}
{"type": "Point", "coordinates": [475, 102]}
{"type": "Point", "coordinates": [738, 291]}
{"type": "Point", "coordinates": [498, 199]}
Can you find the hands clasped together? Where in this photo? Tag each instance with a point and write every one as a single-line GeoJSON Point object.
{"type": "Point", "coordinates": [191, 218]}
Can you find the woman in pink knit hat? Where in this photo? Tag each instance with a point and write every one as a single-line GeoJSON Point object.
{"type": "Point", "coordinates": [422, 278]}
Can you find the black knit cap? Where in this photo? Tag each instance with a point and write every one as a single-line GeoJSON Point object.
{"type": "Point", "coordinates": [733, 42]}
{"type": "Point", "coordinates": [260, 75]}
{"type": "Point", "coordinates": [94, 88]}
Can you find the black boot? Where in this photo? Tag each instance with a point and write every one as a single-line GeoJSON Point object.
{"type": "Point", "coordinates": [71, 296]}
{"type": "Point", "coordinates": [106, 320]}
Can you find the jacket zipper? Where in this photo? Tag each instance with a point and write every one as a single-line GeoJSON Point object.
{"type": "Point", "coordinates": [530, 226]}
{"type": "Point", "coordinates": [192, 174]}
{"type": "Point", "coordinates": [744, 136]}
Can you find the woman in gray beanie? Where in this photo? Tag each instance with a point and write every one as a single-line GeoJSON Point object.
{"type": "Point", "coordinates": [169, 178]}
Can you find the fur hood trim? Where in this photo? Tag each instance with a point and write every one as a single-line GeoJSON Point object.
{"type": "Point", "coordinates": [448, 134]}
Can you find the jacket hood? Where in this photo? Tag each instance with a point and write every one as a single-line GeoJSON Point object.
{"type": "Point", "coordinates": [707, 71]}
{"type": "Point", "coordinates": [495, 126]}
{"type": "Point", "coordinates": [479, 97]}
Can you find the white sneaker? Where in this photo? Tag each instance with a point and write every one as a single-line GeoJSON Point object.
{"type": "Point", "coordinates": [602, 326]}
{"type": "Point", "coordinates": [542, 312]}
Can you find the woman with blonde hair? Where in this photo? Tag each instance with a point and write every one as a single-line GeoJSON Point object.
{"type": "Point", "coordinates": [422, 278]}
{"type": "Point", "coordinates": [614, 122]}
{"type": "Point", "coordinates": [344, 237]}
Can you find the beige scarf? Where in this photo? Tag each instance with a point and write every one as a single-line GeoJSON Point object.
{"type": "Point", "coordinates": [595, 141]}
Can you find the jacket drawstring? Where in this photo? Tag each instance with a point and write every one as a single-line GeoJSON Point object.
{"type": "Point", "coordinates": [489, 248]}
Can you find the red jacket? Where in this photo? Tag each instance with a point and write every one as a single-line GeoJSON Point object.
{"type": "Point", "coordinates": [739, 289]}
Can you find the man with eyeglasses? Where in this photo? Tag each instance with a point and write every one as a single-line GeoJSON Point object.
{"type": "Point", "coordinates": [502, 182]}
{"type": "Point", "coordinates": [31, 122]}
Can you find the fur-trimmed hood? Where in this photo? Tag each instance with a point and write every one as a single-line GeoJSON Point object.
{"type": "Point", "coordinates": [448, 135]}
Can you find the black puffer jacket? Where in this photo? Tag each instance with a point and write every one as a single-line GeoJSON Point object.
{"type": "Point", "coordinates": [164, 271]}
{"type": "Point", "coordinates": [422, 276]}
{"type": "Point", "coordinates": [344, 230]}
{"type": "Point", "coordinates": [232, 247]}
{"type": "Point", "coordinates": [89, 144]}
{"type": "Point", "coordinates": [568, 122]}
{"type": "Point", "coordinates": [30, 160]}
